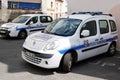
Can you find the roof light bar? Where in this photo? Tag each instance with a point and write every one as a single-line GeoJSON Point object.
{"type": "Point", "coordinates": [92, 13]}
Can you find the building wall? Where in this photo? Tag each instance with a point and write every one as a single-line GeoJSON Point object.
{"type": "Point", "coordinates": [58, 9]}
{"type": "Point", "coordinates": [17, 7]}
{"type": "Point", "coordinates": [35, 1]}
{"type": "Point", "coordinates": [64, 8]}
{"type": "Point", "coordinates": [53, 8]}
{"type": "Point", "coordinates": [106, 6]}
{"type": "Point", "coordinates": [13, 8]}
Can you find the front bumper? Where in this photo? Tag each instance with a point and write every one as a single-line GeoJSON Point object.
{"type": "Point", "coordinates": [51, 61]}
{"type": "Point", "coordinates": [4, 32]}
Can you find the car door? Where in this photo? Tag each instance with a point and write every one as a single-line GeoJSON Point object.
{"type": "Point", "coordinates": [33, 24]}
{"type": "Point", "coordinates": [88, 43]}
{"type": "Point", "coordinates": [104, 32]}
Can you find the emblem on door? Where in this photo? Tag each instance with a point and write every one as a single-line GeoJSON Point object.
{"type": "Point", "coordinates": [86, 44]}
{"type": "Point", "coordinates": [34, 43]}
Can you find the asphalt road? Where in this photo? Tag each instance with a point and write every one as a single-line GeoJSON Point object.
{"type": "Point", "coordinates": [13, 67]}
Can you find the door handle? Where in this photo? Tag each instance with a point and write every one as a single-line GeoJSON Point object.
{"type": "Point", "coordinates": [101, 38]}
{"type": "Point", "coordinates": [96, 39]}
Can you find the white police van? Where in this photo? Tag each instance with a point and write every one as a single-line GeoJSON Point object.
{"type": "Point", "coordinates": [25, 24]}
{"type": "Point", "coordinates": [71, 39]}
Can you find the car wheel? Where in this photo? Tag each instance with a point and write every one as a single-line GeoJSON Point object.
{"type": "Point", "coordinates": [22, 34]}
{"type": "Point", "coordinates": [111, 50]}
{"type": "Point", "coordinates": [67, 62]}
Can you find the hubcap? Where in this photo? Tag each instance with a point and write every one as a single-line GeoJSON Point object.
{"type": "Point", "coordinates": [23, 35]}
{"type": "Point", "coordinates": [112, 49]}
{"type": "Point", "coordinates": [70, 63]}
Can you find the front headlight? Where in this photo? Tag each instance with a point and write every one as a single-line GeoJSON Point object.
{"type": "Point", "coordinates": [12, 27]}
{"type": "Point", "coordinates": [51, 46]}
{"type": "Point", "coordinates": [6, 28]}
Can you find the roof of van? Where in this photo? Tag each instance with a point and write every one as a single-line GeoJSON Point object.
{"type": "Point", "coordinates": [34, 15]}
{"type": "Point", "coordinates": [87, 16]}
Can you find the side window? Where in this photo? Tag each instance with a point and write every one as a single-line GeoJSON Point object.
{"type": "Point", "coordinates": [45, 19]}
{"type": "Point", "coordinates": [112, 25]}
{"type": "Point", "coordinates": [49, 19]}
{"type": "Point", "coordinates": [91, 26]}
{"type": "Point", "coordinates": [33, 20]}
{"type": "Point", "coordinates": [103, 24]}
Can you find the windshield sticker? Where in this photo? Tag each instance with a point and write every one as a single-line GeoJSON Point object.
{"type": "Point", "coordinates": [43, 37]}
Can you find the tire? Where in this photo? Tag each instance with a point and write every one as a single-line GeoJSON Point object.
{"type": "Point", "coordinates": [111, 50]}
{"type": "Point", "coordinates": [67, 62]}
{"type": "Point", "coordinates": [22, 34]}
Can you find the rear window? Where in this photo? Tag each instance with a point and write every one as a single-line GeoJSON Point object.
{"type": "Point", "coordinates": [45, 19]}
{"type": "Point", "coordinates": [112, 25]}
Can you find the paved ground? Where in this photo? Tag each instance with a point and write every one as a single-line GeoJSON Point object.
{"type": "Point", "coordinates": [12, 67]}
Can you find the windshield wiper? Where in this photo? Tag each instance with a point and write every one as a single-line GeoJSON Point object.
{"type": "Point", "coordinates": [56, 34]}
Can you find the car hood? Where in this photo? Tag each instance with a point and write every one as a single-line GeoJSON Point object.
{"type": "Point", "coordinates": [8, 25]}
{"type": "Point", "coordinates": [39, 40]}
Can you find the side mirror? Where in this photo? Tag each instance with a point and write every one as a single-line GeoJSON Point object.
{"type": "Point", "coordinates": [85, 33]}
{"type": "Point", "coordinates": [31, 22]}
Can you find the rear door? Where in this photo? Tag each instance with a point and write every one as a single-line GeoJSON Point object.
{"type": "Point", "coordinates": [104, 36]}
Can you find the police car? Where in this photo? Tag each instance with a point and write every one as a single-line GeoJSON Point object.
{"type": "Point", "coordinates": [25, 25]}
{"type": "Point", "coordinates": [71, 39]}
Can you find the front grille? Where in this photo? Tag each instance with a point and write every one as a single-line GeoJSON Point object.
{"type": "Point", "coordinates": [5, 32]}
{"type": "Point", "coordinates": [35, 57]}
{"type": "Point", "coordinates": [31, 57]}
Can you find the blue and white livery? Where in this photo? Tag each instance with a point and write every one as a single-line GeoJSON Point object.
{"type": "Point", "coordinates": [71, 39]}
{"type": "Point", "coordinates": [25, 25]}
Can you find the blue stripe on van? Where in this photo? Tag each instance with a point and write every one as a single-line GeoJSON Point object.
{"type": "Point", "coordinates": [89, 45]}
{"type": "Point", "coordinates": [32, 27]}
{"type": "Point", "coordinates": [74, 48]}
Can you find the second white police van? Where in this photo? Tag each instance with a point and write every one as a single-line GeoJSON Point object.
{"type": "Point", "coordinates": [25, 24]}
{"type": "Point", "coordinates": [71, 39]}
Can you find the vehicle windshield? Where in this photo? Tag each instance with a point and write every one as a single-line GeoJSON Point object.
{"type": "Point", "coordinates": [63, 26]}
{"type": "Point", "coordinates": [21, 19]}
